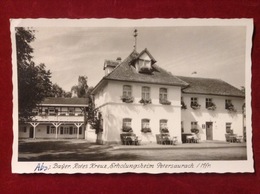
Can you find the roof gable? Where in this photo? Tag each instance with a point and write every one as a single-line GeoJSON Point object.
{"type": "Point", "coordinates": [127, 72]}
{"type": "Point", "coordinates": [210, 86]}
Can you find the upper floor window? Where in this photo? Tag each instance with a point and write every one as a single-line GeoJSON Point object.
{"type": "Point", "coordinates": [53, 111]}
{"type": "Point", "coordinates": [163, 94]}
{"type": "Point", "coordinates": [194, 103]}
{"type": "Point", "coordinates": [144, 66]}
{"type": "Point", "coordinates": [208, 102]}
{"type": "Point", "coordinates": [228, 103]}
{"type": "Point", "coordinates": [145, 93]}
{"type": "Point", "coordinates": [144, 63]}
{"type": "Point", "coordinates": [127, 90]}
{"type": "Point", "coordinates": [182, 127]}
{"type": "Point", "coordinates": [71, 111]}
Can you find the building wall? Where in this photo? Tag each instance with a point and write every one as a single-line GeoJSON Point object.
{"type": "Point", "coordinates": [114, 110]}
{"type": "Point", "coordinates": [41, 132]}
{"type": "Point", "coordinates": [219, 117]}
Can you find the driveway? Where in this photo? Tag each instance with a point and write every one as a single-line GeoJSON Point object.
{"type": "Point", "coordinates": [80, 150]}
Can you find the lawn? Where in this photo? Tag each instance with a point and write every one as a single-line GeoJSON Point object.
{"type": "Point", "coordinates": [79, 150]}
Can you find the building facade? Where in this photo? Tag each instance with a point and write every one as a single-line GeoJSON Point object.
{"type": "Point", "coordinates": [57, 118]}
{"type": "Point", "coordinates": [136, 93]}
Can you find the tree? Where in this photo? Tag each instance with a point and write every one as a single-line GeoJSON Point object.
{"type": "Point", "coordinates": [57, 91]}
{"type": "Point", "coordinates": [81, 88]}
{"type": "Point", "coordinates": [33, 80]}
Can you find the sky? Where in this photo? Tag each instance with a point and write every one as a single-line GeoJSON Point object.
{"type": "Point", "coordinates": [211, 51]}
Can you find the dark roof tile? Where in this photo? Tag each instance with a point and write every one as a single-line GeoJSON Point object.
{"type": "Point", "coordinates": [210, 86]}
{"type": "Point", "coordinates": [65, 101]}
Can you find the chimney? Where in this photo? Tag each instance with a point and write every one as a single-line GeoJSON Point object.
{"type": "Point", "coordinates": [118, 59]}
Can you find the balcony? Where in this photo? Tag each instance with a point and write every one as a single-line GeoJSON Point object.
{"type": "Point", "coordinates": [60, 117]}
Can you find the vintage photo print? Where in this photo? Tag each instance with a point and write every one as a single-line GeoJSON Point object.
{"type": "Point", "coordinates": [140, 96]}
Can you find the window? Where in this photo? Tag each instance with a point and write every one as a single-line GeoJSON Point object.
{"type": "Point", "coordinates": [71, 111]}
{"type": "Point", "coordinates": [145, 93]}
{"type": "Point", "coordinates": [53, 129]}
{"type": "Point", "coordinates": [127, 90]}
{"type": "Point", "coordinates": [53, 111]}
{"type": "Point", "coordinates": [194, 125]}
{"type": "Point", "coordinates": [228, 103]}
{"type": "Point", "coordinates": [61, 130]}
{"type": "Point", "coordinates": [208, 102]}
{"type": "Point", "coordinates": [145, 123]}
{"type": "Point", "coordinates": [163, 94]}
{"type": "Point", "coordinates": [80, 130]}
{"type": "Point", "coordinates": [144, 63]}
{"type": "Point", "coordinates": [194, 101]}
{"type": "Point", "coordinates": [228, 127]}
{"type": "Point", "coordinates": [146, 126]}
{"type": "Point", "coordinates": [182, 127]}
{"type": "Point", "coordinates": [127, 125]}
{"type": "Point", "coordinates": [71, 130]}
{"type": "Point", "coordinates": [127, 122]}
{"type": "Point", "coordinates": [163, 123]}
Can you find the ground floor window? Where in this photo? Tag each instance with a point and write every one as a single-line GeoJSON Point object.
{"type": "Point", "coordinates": [127, 125]}
{"type": "Point", "coordinates": [194, 125]}
{"type": "Point", "coordinates": [228, 128]}
{"type": "Point", "coordinates": [145, 126]}
{"type": "Point", "coordinates": [163, 126]}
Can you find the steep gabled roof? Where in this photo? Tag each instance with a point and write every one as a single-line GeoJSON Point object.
{"type": "Point", "coordinates": [210, 87]}
{"type": "Point", "coordinates": [127, 72]}
{"type": "Point", "coordinates": [65, 101]}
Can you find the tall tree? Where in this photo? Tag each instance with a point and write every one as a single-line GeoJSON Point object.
{"type": "Point", "coordinates": [57, 91]}
{"type": "Point", "coordinates": [33, 80]}
{"type": "Point", "coordinates": [82, 87]}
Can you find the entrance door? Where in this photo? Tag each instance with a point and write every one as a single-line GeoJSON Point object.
{"type": "Point", "coordinates": [31, 132]}
{"type": "Point", "coordinates": [209, 130]}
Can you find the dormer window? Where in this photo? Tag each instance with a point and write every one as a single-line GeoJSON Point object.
{"type": "Point", "coordinates": [144, 66]}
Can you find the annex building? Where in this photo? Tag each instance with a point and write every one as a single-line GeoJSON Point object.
{"type": "Point", "coordinates": [57, 118]}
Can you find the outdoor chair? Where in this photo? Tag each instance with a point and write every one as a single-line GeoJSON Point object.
{"type": "Point", "coordinates": [159, 138]}
{"type": "Point", "coordinates": [174, 140]}
{"type": "Point", "coordinates": [189, 138]}
{"type": "Point", "coordinates": [231, 138]}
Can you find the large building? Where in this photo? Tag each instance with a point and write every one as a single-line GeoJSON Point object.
{"type": "Point", "coordinates": [136, 93]}
{"type": "Point", "coordinates": [57, 118]}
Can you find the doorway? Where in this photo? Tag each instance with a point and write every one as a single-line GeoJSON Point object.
{"type": "Point", "coordinates": [209, 130]}
{"type": "Point", "coordinates": [31, 132]}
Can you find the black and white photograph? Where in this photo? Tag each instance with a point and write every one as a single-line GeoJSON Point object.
{"type": "Point", "coordinates": [142, 96]}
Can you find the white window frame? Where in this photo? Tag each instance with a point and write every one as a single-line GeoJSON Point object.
{"type": "Point", "coordinates": [127, 90]}
{"type": "Point", "coordinates": [209, 101]}
{"type": "Point", "coordinates": [146, 93]}
{"type": "Point", "coordinates": [163, 94]}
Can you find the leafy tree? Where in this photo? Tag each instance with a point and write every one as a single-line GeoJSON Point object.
{"type": "Point", "coordinates": [33, 80]}
{"type": "Point", "coordinates": [57, 91]}
{"type": "Point", "coordinates": [81, 88]}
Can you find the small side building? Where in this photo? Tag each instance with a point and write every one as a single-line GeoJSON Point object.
{"type": "Point", "coordinates": [57, 118]}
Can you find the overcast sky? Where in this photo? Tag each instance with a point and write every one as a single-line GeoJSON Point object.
{"type": "Point", "coordinates": [211, 51]}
